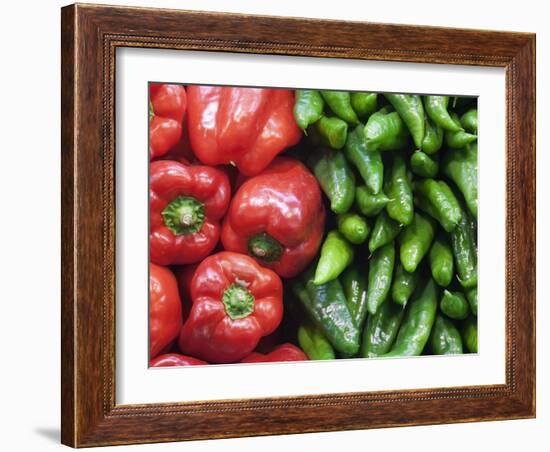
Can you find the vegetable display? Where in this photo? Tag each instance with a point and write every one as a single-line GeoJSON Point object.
{"type": "Point", "coordinates": [293, 225]}
{"type": "Point", "coordinates": [235, 303]}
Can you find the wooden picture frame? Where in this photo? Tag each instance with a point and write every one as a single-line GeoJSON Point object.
{"type": "Point", "coordinates": [90, 36]}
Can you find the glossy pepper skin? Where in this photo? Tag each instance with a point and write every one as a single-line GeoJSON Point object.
{"type": "Point", "coordinates": [460, 166]}
{"type": "Point", "coordinates": [380, 276]}
{"type": "Point", "coordinates": [381, 330]}
{"type": "Point", "coordinates": [175, 359]}
{"type": "Point", "coordinates": [471, 295]}
{"type": "Point", "coordinates": [469, 121]}
{"type": "Point", "coordinates": [186, 204]}
{"type": "Point", "coordinates": [399, 190]}
{"type": "Point", "coordinates": [417, 322]}
{"type": "Point", "coordinates": [336, 254]}
{"type": "Point", "coordinates": [454, 305]}
{"type": "Point", "coordinates": [235, 303]}
{"type": "Point", "coordinates": [460, 138]}
{"type": "Point", "coordinates": [246, 126]}
{"type": "Point", "coordinates": [353, 227]}
{"type": "Point", "coordinates": [277, 217]}
{"type": "Point", "coordinates": [308, 107]}
{"type": "Point", "coordinates": [167, 106]}
{"type": "Point", "coordinates": [364, 104]}
{"type": "Point", "coordinates": [384, 231]}
{"type": "Point", "coordinates": [441, 261]}
{"type": "Point", "coordinates": [326, 306]}
{"type": "Point", "coordinates": [433, 137]}
{"type": "Point", "coordinates": [423, 165]}
{"type": "Point", "coordinates": [469, 334]}
{"type": "Point", "coordinates": [369, 204]}
{"type": "Point", "coordinates": [409, 107]}
{"type": "Point", "coordinates": [165, 316]}
{"type": "Point", "coordinates": [404, 285]}
{"type": "Point", "coordinates": [436, 108]}
{"type": "Point", "coordinates": [313, 342]}
{"type": "Point", "coordinates": [386, 131]}
{"type": "Point", "coordinates": [415, 241]}
{"type": "Point", "coordinates": [282, 353]}
{"type": "Point", "coordinates": [333, 131]}
{"type": "Point", "coordinates": [445, 338]}
{"type": "Point", "coordinates": [465, 253]}
{"type": "Point", "coordinates": [184, 275]}
{"type": "Point", "coordinates": [340, 104]}
{"type": "Point", "coordinates": [355, 283]}
{"type": "Point", "coordinates": [366, 159]}
{"type": "Point", "coordinates": [440, 201]}
{"type": "Point", "coordinates": [335, 177]}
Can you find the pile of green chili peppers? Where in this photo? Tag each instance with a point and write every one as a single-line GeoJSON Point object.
{"type": "Point", "coordinates": [397, 272]}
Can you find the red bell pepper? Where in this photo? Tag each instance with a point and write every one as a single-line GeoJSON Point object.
{"type": "Point", "coordinates": [167, 105]}
{"type": "Point", "coordinates": [186, 204]}
{"type": "Point", "coordinates": [277, 217]}
{"type": "Point", "coordinates": [175, 359]}
{"type": "Point", "coordinates": [184, 276]}
{"type": "Point", "coordinates": [235, 303]}
{"type": "Point", "coordinates": [284, 352]}
{"type": "Point", "coordinates": [164, 309]}
{"type": "Point", "coordinates": [244, 126]}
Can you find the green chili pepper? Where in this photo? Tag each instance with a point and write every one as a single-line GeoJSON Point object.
{"type": "Point", "coordinates": [436, 108]}
{"type": "Point", "coordinates": [442, 201]}
{"type": "Point", "coordinates": [471, 295]}
{"type": "Point", "coordinates": [333, 131]}
{"type": "Point", "coordinates": [384, 231]}
{"type": "Point", "coordinates": [398, 187]}
{"type": "Point", "coordinates": [469, 121]}
{"type": "Point", "coordinates": [415, 241]}
{"type": "Point", "coordinates": [313, 342]}
{"type": "Point", "coordinates": [433, 137]}
{"type": "Point", "coordinates": [417, 322]}
{"type": "Point", "coordinates": [465, 253]}
{"type": "Point", "coordinates": [336, 255]}
{"type": "Point", "coordinates": [308, 107]}
{"type": "Point", "coordinates": [381, 330]}
{"type": "Point", "coordinates": [380, 276]}
{"type": "Point", "coordinates": [335, 177]}
{"type": "Point", "coordinates": [353, 227]}
{"type": "Point", "coordinates": [364, 104]}
{"type": "Point", "coordinates": [423, 165]}
{"type": "Point", "coordinates": [369, 204]}
{"type": "Point", "coordinates": [326, 306]}
{"type": "Point", "coordinates": [366, 159]}
{"type": "Point", "coordinates": [386, 131]}
{"type": "Point", "coordinates": [461, 167]}
{"type": "Point", "coordinates": [340, 104]}
{"type": "Point", "coordinates": [404, 284]}
{"type": "Point", "coordinates": [409, 107]}
{"type": "Point", "coordinates": [441, 261]}
{"type": "Point", "coordinates": [354, 282]}
{"type": "Point", "coordinates": [445, 338]}
{"type": "Point", "coordinates": [469, 334]}
{"type": "Point", "coordinates": [459, 139]}
{"type": "Point", "coordinates": [454, 305]}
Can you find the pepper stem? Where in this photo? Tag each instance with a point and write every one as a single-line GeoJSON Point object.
{"type": "Point", "coordinates": [183, 215]}
{"type": "Point", "coordinates": [238, 301]}
{"type": "Point", "coordinates": [264, 247]}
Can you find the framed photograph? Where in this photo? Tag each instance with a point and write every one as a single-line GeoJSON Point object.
{"type": "Point", "coordinates": [283, 225]}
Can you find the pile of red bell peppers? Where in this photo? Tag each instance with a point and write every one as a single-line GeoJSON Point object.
{"type": "Point", "coordinates": [370, 250]}
{"type": "Point", "coordinates": [229, 219]}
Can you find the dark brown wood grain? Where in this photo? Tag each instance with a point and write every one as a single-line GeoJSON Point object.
{"type": "Point", "coordinates": [90, 36]}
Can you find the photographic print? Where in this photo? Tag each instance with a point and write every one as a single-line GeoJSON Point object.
{"type": "Point", "coordinates": [302, 224]}
{"type": "Point", "coordinates": [276, 225]}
